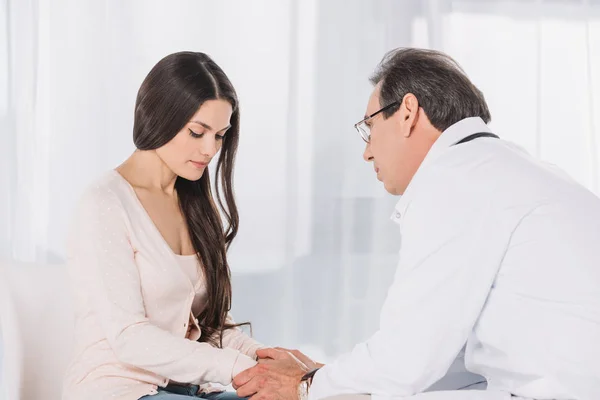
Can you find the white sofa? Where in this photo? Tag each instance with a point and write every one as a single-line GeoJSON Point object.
{"type": "Point", "coordinates": [36, 321]}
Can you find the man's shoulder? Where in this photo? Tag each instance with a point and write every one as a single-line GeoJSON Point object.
{"type": "Point", "coordinates": [486, 177]}
{"type": "Point", "coordinates": [495, 168]}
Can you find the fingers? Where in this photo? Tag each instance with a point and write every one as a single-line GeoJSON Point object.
{"type": "Point", "coordinates": [271, 353]}
{"type": "Point", "coordinates": [298, 354]}
{"type": "Point", "coordinates": [252, 387]}
{"type": "Point", "coordinates": [280, 353]}
{"type": "Point", "coordinates": [245, 376]}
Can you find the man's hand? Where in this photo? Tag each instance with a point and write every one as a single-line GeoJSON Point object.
{"type": "Point", "coordinates": [277, 376]}
{"type": "Point", "coordinates": [303, 358]}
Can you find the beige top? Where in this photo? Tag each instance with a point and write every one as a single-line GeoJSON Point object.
{"type": "Point", "coordinates": [134, 299]}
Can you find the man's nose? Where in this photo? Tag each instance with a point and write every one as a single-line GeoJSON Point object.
{"type": "Point", "coordinates": [367, 156]}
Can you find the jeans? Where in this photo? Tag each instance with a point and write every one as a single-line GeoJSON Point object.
{"type": "Point", "coordinates": [173, 392]}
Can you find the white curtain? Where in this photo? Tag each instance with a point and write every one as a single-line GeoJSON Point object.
{"type": "Point", "coordinates": [316, 250]}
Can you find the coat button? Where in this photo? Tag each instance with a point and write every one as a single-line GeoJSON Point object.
{"type": "Point", "coordinates": [398, 215]}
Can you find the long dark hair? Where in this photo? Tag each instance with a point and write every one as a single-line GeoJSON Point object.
{"type": "Point", "coordinates": [169, 96]}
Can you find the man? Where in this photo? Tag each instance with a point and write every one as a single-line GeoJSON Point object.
{"type": "Point", "coordinates": [499, 251]}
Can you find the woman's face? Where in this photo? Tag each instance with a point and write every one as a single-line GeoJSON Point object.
{"type": "Point", "coordinates": [192, 149]}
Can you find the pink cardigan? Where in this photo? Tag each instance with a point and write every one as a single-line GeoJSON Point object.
{"type": "Point", "coordinates": [133, 303]}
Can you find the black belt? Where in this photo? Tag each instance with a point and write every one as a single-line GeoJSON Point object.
{"type": "Point", "coordinates": [477, 135]}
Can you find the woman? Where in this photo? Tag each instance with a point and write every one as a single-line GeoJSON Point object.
{"type": "Point", "coordinates": [148, 249]}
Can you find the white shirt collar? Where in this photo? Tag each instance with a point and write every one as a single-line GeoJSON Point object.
{"type": "Point", "coordinates": [454, 134]}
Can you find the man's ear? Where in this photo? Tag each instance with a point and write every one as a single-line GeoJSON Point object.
{"type": "Point", "coordinates": [409, 113]}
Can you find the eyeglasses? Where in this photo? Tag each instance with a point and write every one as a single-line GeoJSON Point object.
{"type": "Point", "coordinates": [363, 129]}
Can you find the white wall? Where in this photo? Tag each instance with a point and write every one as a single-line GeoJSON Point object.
{"type": "Point", "coordinates": [315, 251]}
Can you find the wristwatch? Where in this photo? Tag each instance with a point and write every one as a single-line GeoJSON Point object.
{"type": "Point", "coordinates": [305, 383]}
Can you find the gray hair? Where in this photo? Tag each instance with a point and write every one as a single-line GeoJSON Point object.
{"type": "Point", "coordinates": [443, 89]}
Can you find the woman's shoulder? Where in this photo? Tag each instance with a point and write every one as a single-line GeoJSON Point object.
{"type": "Point", "coordinates": [107, 192]}
{"type": "Point", "coordinates": [101, 212]}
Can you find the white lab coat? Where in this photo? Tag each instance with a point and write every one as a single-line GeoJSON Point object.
{"type": "Point", "coordinates": [501, 252]}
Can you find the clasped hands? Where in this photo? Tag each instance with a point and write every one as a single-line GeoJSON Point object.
{"type": "Point", "coordinates": [276, 376]}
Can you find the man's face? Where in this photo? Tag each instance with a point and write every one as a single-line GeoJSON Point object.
{"type": "Point", "coordinates": [397, 145]}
